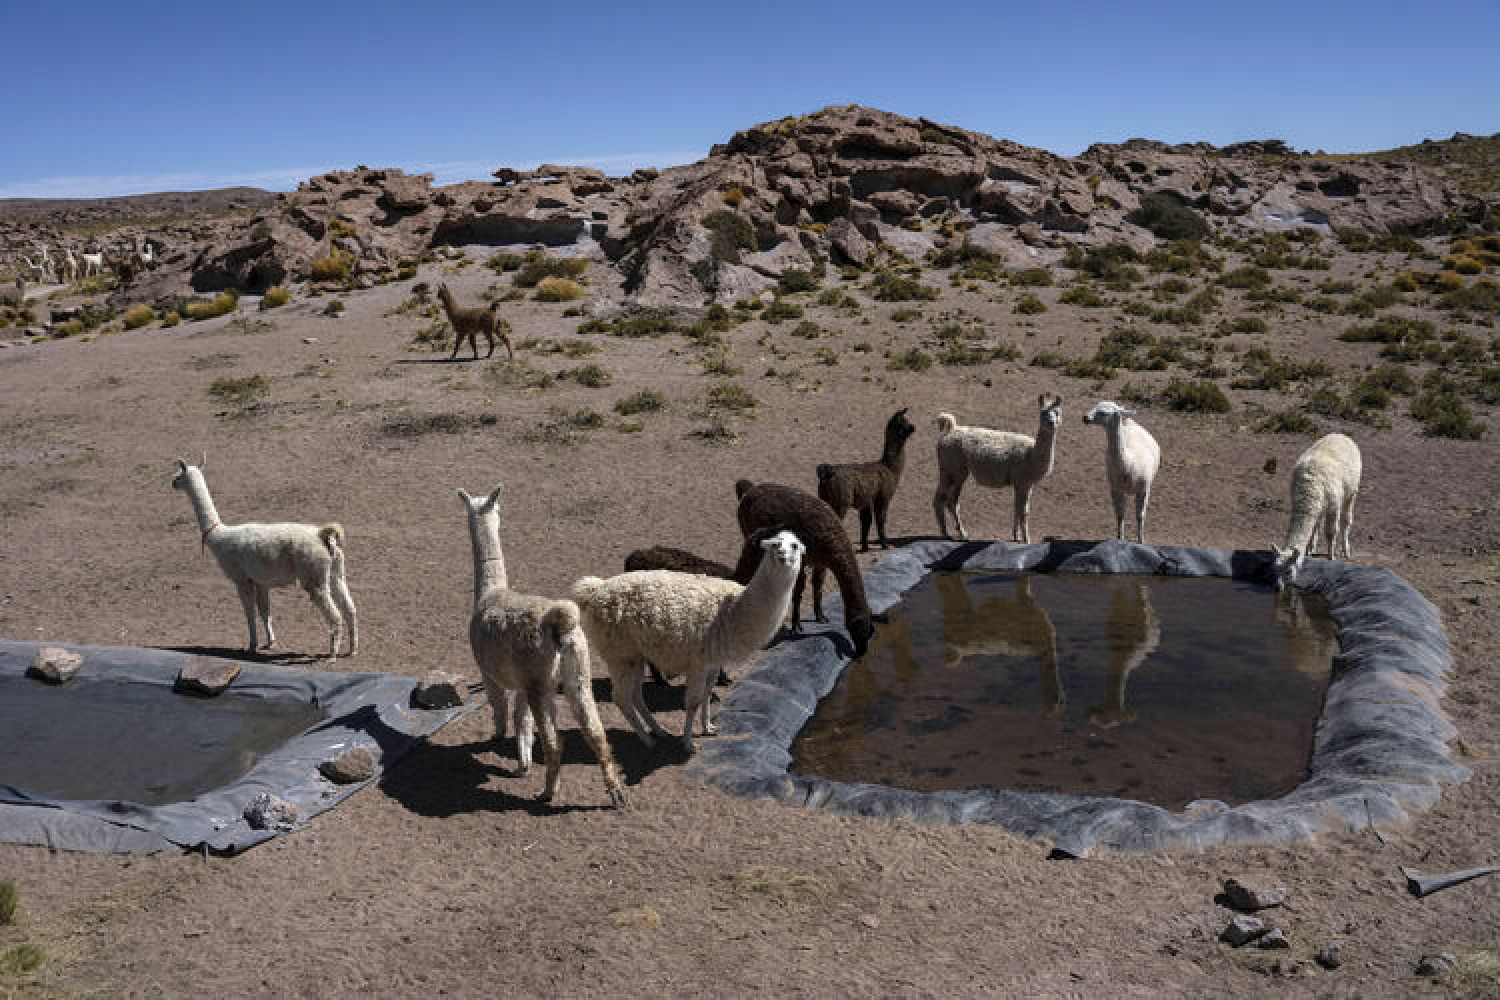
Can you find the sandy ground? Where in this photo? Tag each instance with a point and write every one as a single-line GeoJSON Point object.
{"type": "Point", "coordinates": [447, 879]}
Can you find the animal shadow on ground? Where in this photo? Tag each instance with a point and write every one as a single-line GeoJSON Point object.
{"type": "Point", "coordinates": [283, 657]}
{"type": "Point", "coordinates": [437, 781]}
{"type": "Point", "coordinates": [441, 361]}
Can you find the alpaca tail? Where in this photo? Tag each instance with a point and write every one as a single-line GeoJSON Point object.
{"type": "Point", "coordinates": [583, 591]}
{"type": "Point", "coordinates": [945, 423]}
{"type": "Point", "coordinates": [332, 536]}
{"type": "Point", "coordinates": [825, 472]}
{"type": "Point", "coordinates": [561, 620]}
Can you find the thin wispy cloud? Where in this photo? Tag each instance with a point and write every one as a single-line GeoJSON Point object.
{"type": "Point", "coordinates": [286, 178]}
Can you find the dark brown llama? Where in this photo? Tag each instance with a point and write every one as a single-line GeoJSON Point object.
{"type": "Point", "coordinates": [868, 486]}
{"type": "Point", "coordinates": [470, 323]}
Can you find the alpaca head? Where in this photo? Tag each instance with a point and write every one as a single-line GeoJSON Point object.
{"type": "Point", "coordinates": [1107, 413]}
{"type": "Point", "coordinates": [1284, 568]}
{"type": "Point", "coordinates": [486, 508]}
{"type": "Point", "coordinates": [898, 428]}
{"type": "Point", "coordinates": [785, 549]}
{"type": "Point", "coordinates": [188, 474]}
{"type": "Point", "coordinates": [1051, 407]}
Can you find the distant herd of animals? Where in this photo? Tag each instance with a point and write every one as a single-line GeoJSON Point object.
{"type": "Point", "coordinates": [676, 613]}
{"type": "Point", "coordinates": [43, 267]}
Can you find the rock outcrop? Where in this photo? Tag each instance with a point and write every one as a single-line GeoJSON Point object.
{"type": "Point", "coordinates": [847, 184]}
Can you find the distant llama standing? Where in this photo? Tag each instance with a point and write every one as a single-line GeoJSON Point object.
{"type": "Point", "coordinates": [995, 459]}
{"type": "Point", "coordinates": [470, 322]}
{"type": "Point", "coordinates": [1325, 483]}
{"type": "Point", "coordinates": [1131, 458]}
{"type": "Point", "coordinates": [257, 557]}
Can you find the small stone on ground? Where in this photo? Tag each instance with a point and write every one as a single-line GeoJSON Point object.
{"type": "Point", "coordinates": [1273, 938]}
{"type": "Point", "coordinates": [202, 675]}
{"type": "Point", "coordinates": [1436, 965]}
{"type": "Point", "coordinates": [438, 690]}
{"type": "Point", "coordinates": [1251, 894]}
{"type": "Point", "coordinates": [354, 764]}
{"type": "Point", "coordinates": [267, 812]}
{"type": "Point", "coordinates": [1242, 929]}
{"type": "Point", "coordinates": [54, 664]}
{"type": "Point", "coordinates": [1331, 955]}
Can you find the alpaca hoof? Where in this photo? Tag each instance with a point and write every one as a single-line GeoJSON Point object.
{"type": "Point", "coordinates": [523, 767]}
{"type": "Point", "coordinates": [617, 798]}
{"type": "Point", "coordinates": [544, 797]}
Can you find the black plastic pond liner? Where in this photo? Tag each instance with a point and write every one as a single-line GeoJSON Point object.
{"type": "Point", "coordinates": [369, 710]}
{"type": "Point", "coordinates": [1380, 752]}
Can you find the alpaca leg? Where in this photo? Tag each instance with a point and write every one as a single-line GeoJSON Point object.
{"type": "Point", "coordinates": [458, 341]}
{"type": "Point", "coordinates": [247, 601]}
{"type": "Point", "coordinates": [819, 574]}
{"type": "Point", "coordinates": [263, 605]}
{"type": "Point", "coordinates": [627, 696]}
{"type": "Point", "coordinates": [1331, 530]}
{"type": "Point", "coordinates": [490, 338]}
{"type": "Point", "coordinates": [346, 606]}
{"type": "Point", "coordinates": [538, 695]}
{"type": "Point", "coordinates": [499, 700]}
{"type": "Point", "coordinates": [880, 509]}
{"type": "Point", "coordinates": [1348, 519]}
{"type": "Point", "coordinates": [705, 702]}
{"type": "Point", "coordinates": [573, 666]}
{"type": "Point", "coordinates": [866, 515]}
{"type": "Point", "coordinates": [797, 589]}
{"type": "Point", "coordinates": [474, 343]}
{"type": "Point", "coordinates": [1021, 530]}
{"type": "Point", "coordinates": [945, 501]}
{"type": "Point", "coordinates": [525, 729]}
{"type": "Point", "coordinates": [1142, 501]}
{"type": "Point", "coordinates": [638, 697]}
{"type": "Point", "coordinates": [322, 599]}
{"type": "Point", "coordinates": [509, 350]}
{"type": "Point", "coordinates": [1117, 497]}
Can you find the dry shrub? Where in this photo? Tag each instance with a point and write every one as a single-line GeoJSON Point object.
{"type": "Point", "coordinates": [782, 885]}
{"type": "Point", "coordinates": [558, 290]}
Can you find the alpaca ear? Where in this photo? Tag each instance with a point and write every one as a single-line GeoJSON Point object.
{"type": "Point", "coordinates": [1042, 400]}
{"type": "Point", "coordinates": [1277, 550]}
{"type": "Point", "coordinates": [463, 495]}
{"type": "Point", "coordinates": [181, 465]}
{"type": "Point", "coordinates": [493, 498]}
{"type": "Point", "coordinates": [204, 464]}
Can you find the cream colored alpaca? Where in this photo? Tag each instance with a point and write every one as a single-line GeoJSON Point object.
{"type": "Point", "coordinates": [1131, 458]}
{"type": "Point", "coordinates": [684, 623]}
{"type": "Point", "coordinates": [258, 557]}
{"type": "Point", "coordinates": [995, 459]}
{"type": "Point", "coordinates": [1325, 483]}
{"type": "Point", "coordinates": [530, 645]}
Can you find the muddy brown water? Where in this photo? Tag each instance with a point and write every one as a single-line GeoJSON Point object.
{"type": "Point", "coordinates": [1158, 689]}
{"type": "Point", "coordinates": [130, 742]}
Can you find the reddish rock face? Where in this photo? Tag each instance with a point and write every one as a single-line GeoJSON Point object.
{"type": "Point", "coordinates": [834, 183]}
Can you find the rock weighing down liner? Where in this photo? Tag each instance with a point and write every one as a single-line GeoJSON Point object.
{"type": "Point", "coordinates": [373, 710]}
{"type": "Point", "coordinates": [1380, 753]}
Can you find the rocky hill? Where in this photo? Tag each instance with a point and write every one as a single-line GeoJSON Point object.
{"type": "Point", "coordinates": [847, 184]}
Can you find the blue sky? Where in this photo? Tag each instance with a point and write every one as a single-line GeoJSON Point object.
{"type": "Point", "coordinates": [121, 97]}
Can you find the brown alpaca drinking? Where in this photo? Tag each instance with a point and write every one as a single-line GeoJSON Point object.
{"type": "Point", "coordinates": [472, 322]}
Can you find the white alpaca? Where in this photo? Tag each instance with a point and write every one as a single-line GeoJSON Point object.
{"type": "Point", "coordinates": [69, 266]}
{"type": "Point", "coordinates": [530, 645]}
{"type": "Point", "coordinates": [257, 557]}
{"type": "Point", "coordinates": [1325, 482]}
{"type": "Point", "coordinates": [995, 459]}
{"type": "Point", "coordinates": [685, 624]}
{"type": "Point", "coordinates": [1131, 458]}
{"type": "Point", "coordinates": [93, 263]}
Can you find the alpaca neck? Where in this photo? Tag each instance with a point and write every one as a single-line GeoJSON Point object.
{"type": "Point", "coordinates": [1306, 510]}
{"type": "Point", "coordinates": [448, 304]}
{"type": "Point", "coordinates": [894, 455]}
{"type": "Point", "coordinates": [1041, 452]}
{"type": "Point", "coordinates": [851, 584]}
{"type": "Point", "coordinates": [489, 561]}
{"type": "Point", "coordinates": [769, 592]}
{"type": "Point", "coordinates": [203, 504]}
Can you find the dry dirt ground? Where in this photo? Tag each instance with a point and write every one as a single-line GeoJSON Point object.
{"type": "Point", "coordinates": [447, 879]}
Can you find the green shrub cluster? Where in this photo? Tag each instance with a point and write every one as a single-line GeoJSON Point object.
{"type": "Point", "coordinates": [1196, 396]}
{"type": "Point", "coordinates": [1168, 218]}
{"type": "Point", "coordinates": [892, 286]}
{"type": "Point", "coordinates": [537, 268]}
